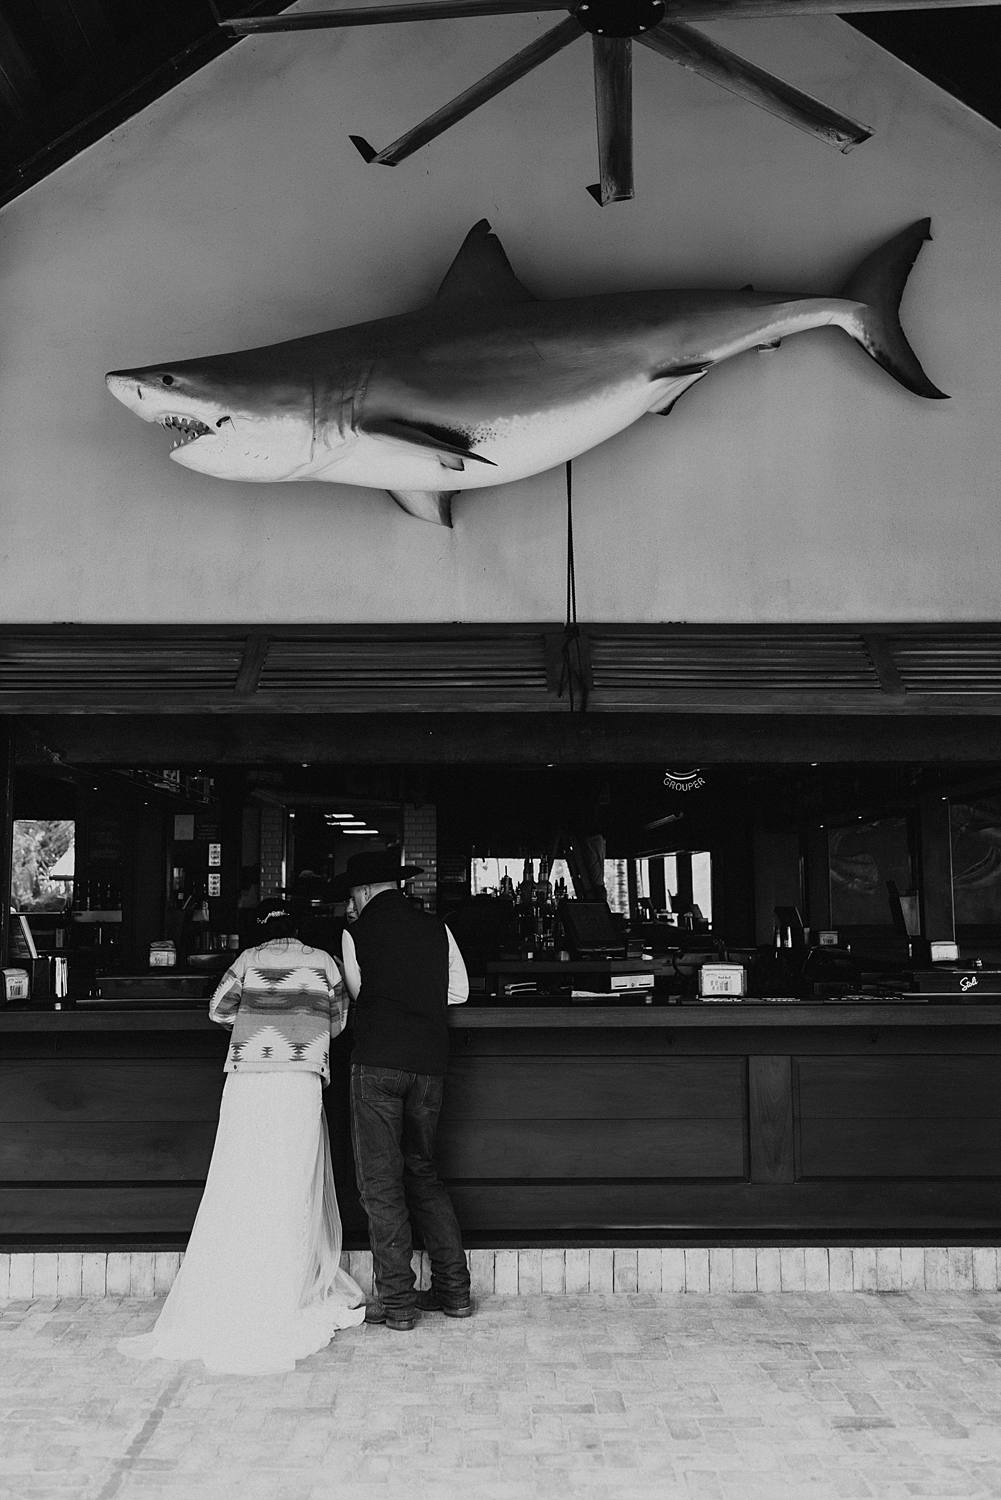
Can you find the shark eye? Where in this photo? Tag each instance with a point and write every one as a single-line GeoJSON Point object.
{"type": "Point", "coordinates": [167, 379]}
{"type": "Point", "coordinates": [222, 420]}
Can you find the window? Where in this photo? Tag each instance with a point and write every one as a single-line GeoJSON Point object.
{"type": "Point", "coordinates": [657, 881]}
{"type": "Point", "coordinates": [675, 883]}
{"type": "Point", "coordinates": [43, 864]}
{"type": "Point", "coordinates": [702, 883]}
{"type": "Point", "coordinates": [485, 876]}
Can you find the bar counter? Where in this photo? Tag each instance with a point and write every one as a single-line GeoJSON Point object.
{"type": "Point", "coordinates": [188, 1016]}
{"type": "Point", "coordinates": [719, 1123]}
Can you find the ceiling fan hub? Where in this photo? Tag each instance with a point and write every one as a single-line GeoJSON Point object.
{"type": "Point", "coordinates": [619, 17]}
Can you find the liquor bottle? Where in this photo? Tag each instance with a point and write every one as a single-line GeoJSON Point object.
{"type": "Point", "coordinates": [526, 889]}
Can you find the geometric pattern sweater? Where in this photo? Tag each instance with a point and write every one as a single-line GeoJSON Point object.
{"type": "Point", "coordinates": [283, 1001]}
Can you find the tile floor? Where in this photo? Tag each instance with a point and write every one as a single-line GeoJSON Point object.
{"type": "Point", "coordinates": [633, 1396]}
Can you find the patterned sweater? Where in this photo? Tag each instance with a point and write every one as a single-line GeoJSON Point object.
{"type": "Point", "coordinates": [284, 1002]}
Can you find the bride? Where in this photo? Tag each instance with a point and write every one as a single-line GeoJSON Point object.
{"type": "Point", "coordinates": [260, 1285]}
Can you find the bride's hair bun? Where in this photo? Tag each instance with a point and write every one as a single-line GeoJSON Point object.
{"type": "Point", "coordinates": [276, 919]}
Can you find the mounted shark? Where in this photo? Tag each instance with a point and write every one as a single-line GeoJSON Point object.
{"type": "Point", "coordinates": [487, 385]}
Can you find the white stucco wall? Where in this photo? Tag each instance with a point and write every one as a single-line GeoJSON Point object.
{"type": "Point", "coordinates": [797, 485]}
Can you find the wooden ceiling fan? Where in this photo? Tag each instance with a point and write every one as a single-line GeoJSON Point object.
{"type": "Point", "coordinates": [613, 26]}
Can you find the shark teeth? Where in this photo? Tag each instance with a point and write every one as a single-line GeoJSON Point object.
{"type": "Point", "coordinates": [186, 429]}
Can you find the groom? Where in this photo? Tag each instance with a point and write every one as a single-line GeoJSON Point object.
{"type": "Point", "coordinates": [402, 970]}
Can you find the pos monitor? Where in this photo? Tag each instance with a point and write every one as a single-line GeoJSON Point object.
{"type": "Point", "coordinates": [590, 931]}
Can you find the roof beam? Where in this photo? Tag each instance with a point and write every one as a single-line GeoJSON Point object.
{"type": "Point", "coordinates": [374, 15]}
{"type": "Point", "coordinates": [613, 104]}
{"type": "Point", "coordinates": [742, 10]}
{"type": "Point", "coordinates": [697, 54]}
{"type": "Point", "coordinates": [463, 104]}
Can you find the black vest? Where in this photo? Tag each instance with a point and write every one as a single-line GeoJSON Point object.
{"type": "Point", "coordinates": [399, 1016]}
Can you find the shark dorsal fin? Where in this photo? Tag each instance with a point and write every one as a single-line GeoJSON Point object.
{"type": "Point", "coordinates": [481, 272]}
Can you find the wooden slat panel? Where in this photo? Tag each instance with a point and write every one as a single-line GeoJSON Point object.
{"type": "Point", "coordinates": [622, 1149]}
{"type": "Point", "coordinates": [581, 1213]}
{"type": "Point", "coordinates": [503, 669]}
{"type": "Point", "coordinates": [932, 663]}
{"type": "Point", "coordinates": [105, 1212]}
{"type": "Point", "coordinates": [105, 1091]}
{"type": "Point", "coordinates": [824, 1211]}
{"type": "Point", "coordinates": [911, 1088]}
{"type": "Point", "coordinates": [654, 1088]}
{"type": "Point", "coordinates": [106, 1153]}
{"type": "Point", "coordinates": [737, 658]}
{"type": "Point", "coordinates": [770, 1111]}
{"type": "Point", "coordinates": [472, 665]}
{"type": "Point", "coordinates": [97, 661]}
{"type": "Point", "coordinates": [871, 1147]}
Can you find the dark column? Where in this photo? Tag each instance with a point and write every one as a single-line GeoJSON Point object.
{"type": "Point", "coordinates": [777, 876]}
{"type": "Point", "coordinates": [231, 789]}
{"type": "Point", "coordinates": [684, 868]}
{"type": "Point", "coordinates": [6, 830]}
{"type": "Point", "coordinates": [733, 883]}
{"type": "Point", "coordinates": [816, 864]}
{"type": "Point", "coordinates": [658, 885]}
{"type": "Point", "coordinates": [938, 918]}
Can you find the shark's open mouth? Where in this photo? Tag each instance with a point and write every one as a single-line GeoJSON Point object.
{"type": "Point", "coordinates": [185, 429]}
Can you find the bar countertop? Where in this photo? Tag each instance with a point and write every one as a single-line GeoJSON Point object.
{"type": "Point", "coordinates": [186, 1017]}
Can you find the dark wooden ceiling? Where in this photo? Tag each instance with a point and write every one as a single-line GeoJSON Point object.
{"type": "Point", "coordinates": [70, 70]}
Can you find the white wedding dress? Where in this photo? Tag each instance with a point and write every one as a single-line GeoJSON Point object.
{"type": "Point", "coordinates": [260, 1285]}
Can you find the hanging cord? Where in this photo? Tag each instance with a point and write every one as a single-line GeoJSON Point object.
{"type": "Point", "coordinates": [573, 679]}
{"type": "Point", "coordinates": [571, 619]}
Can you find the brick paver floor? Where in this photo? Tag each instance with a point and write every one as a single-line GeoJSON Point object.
{"type": "Point", "coordinates": [794, 1396]}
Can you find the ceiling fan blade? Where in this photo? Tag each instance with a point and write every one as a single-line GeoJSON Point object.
{"type": "Point", "coordinates": [374, 15]}
{"type": "Point", "coordinates": [698, 54]}
{"type": "Point", "coordinates": [737, 10]}
{"type": "Point", "coordinates": [509, 72]}
{"type": "Point", "coordinates": [613, 104]}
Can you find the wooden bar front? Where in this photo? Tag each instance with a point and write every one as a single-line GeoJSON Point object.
{"type": "Point", "coordinates": [619, 1125]}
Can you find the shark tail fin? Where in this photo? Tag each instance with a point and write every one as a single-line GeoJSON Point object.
{"type": "Point", "coordinates": [878, 285]}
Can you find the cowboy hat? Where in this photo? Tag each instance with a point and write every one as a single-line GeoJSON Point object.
{"type": "Point", "coordinates": [372, 867]}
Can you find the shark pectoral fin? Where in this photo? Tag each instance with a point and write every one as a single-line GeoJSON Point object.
{"type": "Point", "coordinates": [684, 377]}
{"type": "Point", "coordinates": [481, 272]}
{"type": "Point", "coordinates": [680, 372]}
{"type": "Point", "coordinates": [447, 447]}
{"type": "Point", "coordinates": [426, 505]}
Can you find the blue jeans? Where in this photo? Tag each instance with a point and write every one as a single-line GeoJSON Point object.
{"type": "Point", "coordinates": [394, 1120]}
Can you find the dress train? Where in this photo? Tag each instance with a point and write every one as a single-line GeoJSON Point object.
{"type": "Point", "coordinates": [260, 1285]}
